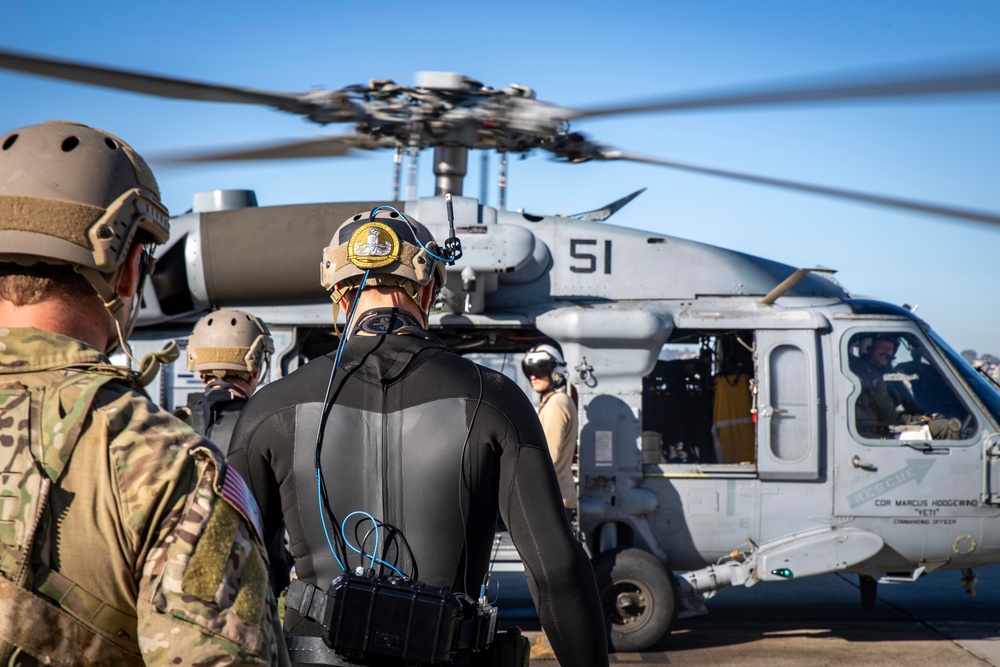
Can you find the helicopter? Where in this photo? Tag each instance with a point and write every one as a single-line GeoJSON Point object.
{"type": "Point", "coordinates": [729, 427]}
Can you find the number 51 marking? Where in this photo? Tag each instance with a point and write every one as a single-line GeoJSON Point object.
{"type": "Point", "coordinates": [590, 259]}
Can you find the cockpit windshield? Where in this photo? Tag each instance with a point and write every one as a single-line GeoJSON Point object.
{"type": "Point", "coordinates": [985, 392]}
{"type": "Point", "coordinates": [905, 394]}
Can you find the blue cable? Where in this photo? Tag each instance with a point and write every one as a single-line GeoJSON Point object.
{"type": "Point", "coordinates": [343, 527]}
{"type": "Point", "coordinates": [319, 471]}
{"type": "Point", "coordinates": [319, 494]}
{"type": "Point", "coordinates": [350, 320]}
{"type": "Point", "coordinates": [412, 230]}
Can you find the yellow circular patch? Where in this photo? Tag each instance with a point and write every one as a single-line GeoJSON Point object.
{"type": "Point", "coordinates": [373, 245]}
{"type": "Point", "coordinates": [964, 545]}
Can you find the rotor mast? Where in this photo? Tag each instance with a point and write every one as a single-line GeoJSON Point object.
{"type": "Point", "coordinates": [450, 168]}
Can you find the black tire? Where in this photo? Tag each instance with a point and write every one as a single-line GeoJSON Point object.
{"type": "Point", "coordinates": [637, 596]}
{"type": "Point", "coordinates": [869, 591]}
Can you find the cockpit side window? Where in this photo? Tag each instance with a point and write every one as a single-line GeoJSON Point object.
{"type": "Point", "coordinates": [903, 394]}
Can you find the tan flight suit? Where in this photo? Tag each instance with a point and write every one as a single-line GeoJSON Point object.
{"type": "Point", "coordinates": [557, 412]}
{"type": "Point", "coordinates": [122, 533]}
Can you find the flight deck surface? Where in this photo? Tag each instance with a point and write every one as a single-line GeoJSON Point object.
{"type": "Point", "coordinates": [819, 621]}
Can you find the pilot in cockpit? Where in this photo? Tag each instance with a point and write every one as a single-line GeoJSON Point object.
{"type": "Point", "coordinates": [885, 407]}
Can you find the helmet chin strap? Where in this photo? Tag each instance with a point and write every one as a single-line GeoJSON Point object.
{"type": "Point", "coordinates": [122, 343]}
{"type": "Point", "coordinates": [113, 303]}
{"type": "Point", "coordinates": [150, 364]}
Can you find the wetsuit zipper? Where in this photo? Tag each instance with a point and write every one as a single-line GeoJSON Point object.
{"type": "Point", "coordinates": [385, 454]}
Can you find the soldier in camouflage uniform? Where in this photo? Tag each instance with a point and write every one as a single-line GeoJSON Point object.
{"type": "Point", "coordinates": [124, 538]}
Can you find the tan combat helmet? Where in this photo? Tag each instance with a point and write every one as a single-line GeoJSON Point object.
{"type": "Point", "coordinates": [392, 249]}
{"type": "Point", "coordinates": [229, 340]}
{"type": "Point", "coordinates": [72, 194]}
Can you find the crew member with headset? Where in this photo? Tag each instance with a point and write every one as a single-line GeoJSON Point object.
{"type": "Point", "coordinates": [545, 367]}
{"type": "Point", "coordinates": [231, 352]}
{"type": "Point", "coordinates": [392, 434]}
{"type": "Point", "coordinates": [126, 539]}
{"type": "Point", "coordinates": [885, 408]}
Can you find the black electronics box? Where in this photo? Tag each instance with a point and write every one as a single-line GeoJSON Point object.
{"type": "Point", "coordinates": [368, 619]}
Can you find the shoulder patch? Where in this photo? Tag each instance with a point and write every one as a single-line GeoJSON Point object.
{"type": "Point", "coordinates": [236, 492]}
{"type": "Point", "coordinates": [229, 485]}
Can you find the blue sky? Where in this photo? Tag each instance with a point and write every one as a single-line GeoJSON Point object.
{"type": "Point", "coordinates": [580, 54]}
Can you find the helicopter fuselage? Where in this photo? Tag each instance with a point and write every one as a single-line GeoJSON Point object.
{"type": "Point", "coordinates": [727, 424]}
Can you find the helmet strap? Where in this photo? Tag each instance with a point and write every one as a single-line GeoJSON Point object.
{"type": "Point", "coordinates": [113, 303]}
{"type": "Point", "coordinates": [336, 313]}
{"type": "Point", "coordinates": [408, 287]}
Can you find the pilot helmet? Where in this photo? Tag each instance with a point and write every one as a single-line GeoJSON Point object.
{"type": "Point", "coordinates": [229, 340]}
{"type": "Point", "coordinates": [72, 194]}
{"type": "Point", "coordinates": [868, 342]}
{"type": "Point", "coordinates": [545, 361]}
{"type": "Point", "coordinates": [391, 249]}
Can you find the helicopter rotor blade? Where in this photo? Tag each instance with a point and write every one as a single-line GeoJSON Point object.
{"type": "Point", "coordinates": [383, 113]}
{"type": "Point", "coordinates": [838, 193]}
{"type": "Point", "coordinates": [970, 80]}
{"type": "Point", "coordinates": [151, 84]}
{"type": "Point", "coordinates": [335, 146]}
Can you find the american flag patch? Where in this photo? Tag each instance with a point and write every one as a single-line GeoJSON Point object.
{"type": "Point", "coordinates": [235, 490]}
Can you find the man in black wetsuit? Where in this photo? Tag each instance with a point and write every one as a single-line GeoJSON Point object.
{"type": "Point", "coordinates": [418, 438]}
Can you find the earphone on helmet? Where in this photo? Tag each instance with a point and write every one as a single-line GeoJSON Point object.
{"type": "Point", "coordinates": [545, 361]}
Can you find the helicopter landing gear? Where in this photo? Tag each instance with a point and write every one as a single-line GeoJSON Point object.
{"type": "Point", "coordinates": [638, 597]}
{"type": "Point", "coordinates": [869, 591]}
{"type": "Point", "coordinates": [969, 581]}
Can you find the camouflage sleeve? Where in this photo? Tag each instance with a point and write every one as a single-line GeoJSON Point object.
{"type": "Point", "coordinates": [203, 596]}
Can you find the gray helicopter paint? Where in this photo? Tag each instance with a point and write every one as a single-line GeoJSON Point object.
{"type": "Point", "coordinates": [789, 442]}
{"type": "Point", "coordinates": [692, 515]}
{"type": "Point", "coordinates": [806, 505]}
{"type": "Point", "coordinates": [598, 260]}
{"type": "Point", "coordinates": [223, 200]}
{"type": "Point", "coordinates": [893, 481]}
{"type": "Point", "coordinates": [703, 512]}
{"type": "Point", "coordinates": [535, 260]}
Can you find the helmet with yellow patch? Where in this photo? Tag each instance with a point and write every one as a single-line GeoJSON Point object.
{"type": "Point", "coordinates": [389, 248]}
